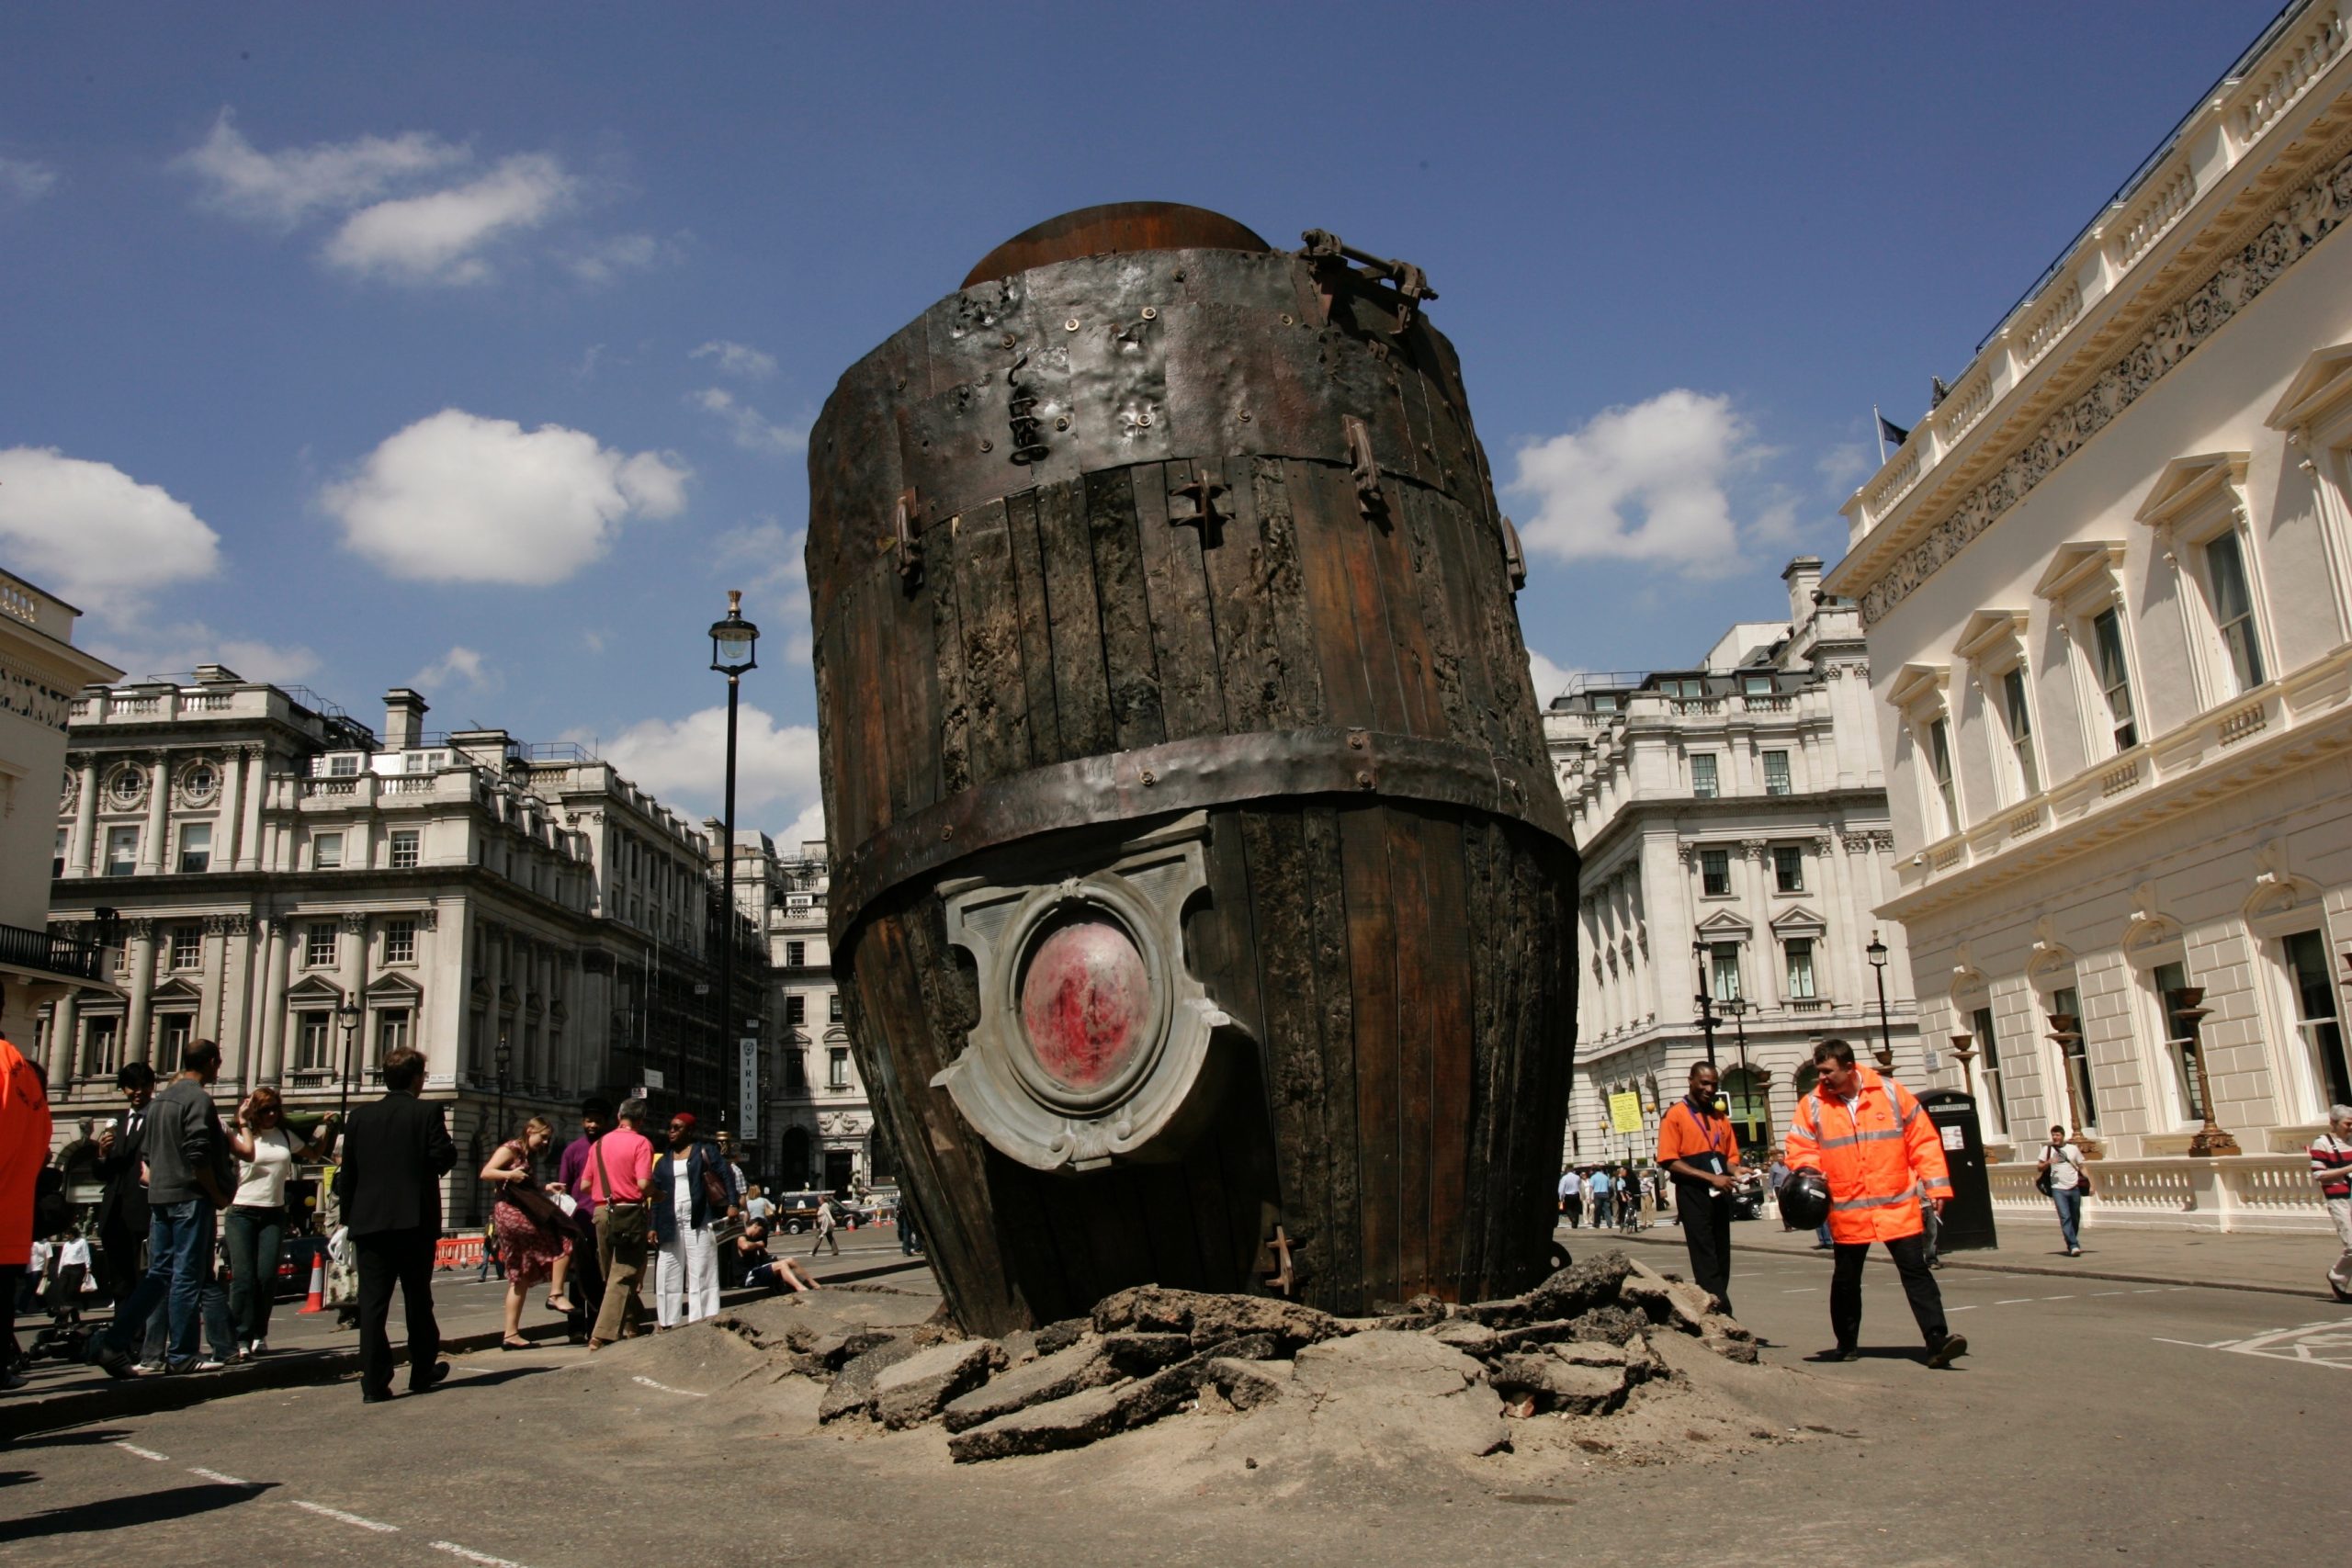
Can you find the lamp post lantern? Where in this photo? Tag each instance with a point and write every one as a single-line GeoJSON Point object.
{"type": "Point", "coordinates": [2066, 1033]}
{"type": "Point", "coordinates": [1877, 951]}
{"type": "Point", "coordinates": [347, 1013]}
{"type": "Point", "coordinates": [734, 652]}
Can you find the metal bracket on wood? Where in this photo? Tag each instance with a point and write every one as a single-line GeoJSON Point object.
{"type": "Point", "coordinates": [902, 529]}
{"type": "Point", "coordinates": [1280, 1276]}
{"type": "Point", "coordinates": [1514, 556]}
{"type": "Point", "coordinates": [1371, 499]}
{"type": "Point", "coordinates": [1202, 492]}
{"type": "Point", "coordinates": [1412, 283]}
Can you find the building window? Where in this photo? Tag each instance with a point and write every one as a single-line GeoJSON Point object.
{"type": "Point", "coordinates": [392, 1031]}
{"type": "Point", "coordinates": [313, 1049]}
{"type": "Point", "coordinates": [2234, 608]}
{"type": "Point", "coordinates": [122, 851]}
{"type": "Point", "coordinates": [1704, 782]}
{"type": "Point", "coordinates": [1939, 766]}
{"type": "Point", "coordinates": [57, 861]}
{"type": "Point", "coordinates": [318, 945]}
{"type": "Point", "coordinates": [833, 1008]}
{"type": "Point", "coordinates": [2021, 717]}
{"type": "Point", "coordinates": [177, 1030]}
{"type": "Point", "coordinates": [106, 1037]}
{"type": "Point", "coordinates": [1799, 950]}
{"type": "Point", "coordinates": [2115, 676]}
{"type": "Point", "coordinates": [2075, 1063]}
{"type": "Point", "coordinates": [196, 847]}
{"type": "Point", "coordinates": [795, 1072]}
{"type": "Point", "coordinates": [2316, 1019]}
{"type": "Point", "coordinates": [129, 785]}
{"type": "Point", "coordinates": [1989, 1050]}
{"type": "Point", "coordinates": [1755, 685]}
{"type": "Point", "coordinates": [1788, 868]}
{"type": "Point", "coordinates": [400, 941]}
{"type": "Point", "coordinates": [343, 765]}
{"type": "Point", "coordinates": [188, 947]}
{"type": "Point", "coordinates": [795, 954]}
{"type": "Point", "coordinates": [796, 1010]}
{"type": "Point", "coordinates": [327, 852]}
{"type": "Point", "coordinates": [1723, 961]}
{"type": "Point", "coordinates": [1715, 873]}
{"type": "Point", "coordinates": [1776, 773]}
{"type": "Point", "coordinates": [2183, 1040]}
{"type": "Point", "coordinates": [197, 782]}
{"type": "Point", "coordinates": [404, 848]}
{"type": "Point", "coordinates": [1751, 1106]}
{"type": "Point", "coordinates": [837, 1067]}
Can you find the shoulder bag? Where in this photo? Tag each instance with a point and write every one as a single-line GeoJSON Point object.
{"type": "Point", "coordinates": [626, 1217]}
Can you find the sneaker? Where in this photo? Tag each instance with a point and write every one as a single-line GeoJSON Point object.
{"type": "Point", "coordinates": [157, 1369]}
{"type": "Point", "coordinates": [1950, 1349]}
{"type": "Point", "coordinates": [2341, 1293]}
{"type": "Point", "coordinates": [11, 1379]}
{"type": "Point", "coordinates": [258, 1348]}
{"type": "Point", "coordinates": [209, 1364]}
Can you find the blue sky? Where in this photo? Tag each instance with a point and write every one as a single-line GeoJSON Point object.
{"type": "Point", "coordinates": [473, 347]}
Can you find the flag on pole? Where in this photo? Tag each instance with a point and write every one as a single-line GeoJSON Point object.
{"type": "Point", "coordinates": [1890, 433]}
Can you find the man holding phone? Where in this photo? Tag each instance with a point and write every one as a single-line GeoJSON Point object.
{"type": "Point", "coordinates": [1697, 1146]}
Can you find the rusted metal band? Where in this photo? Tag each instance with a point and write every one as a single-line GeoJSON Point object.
{"type": "Point", "coordinates": [1187, 775]}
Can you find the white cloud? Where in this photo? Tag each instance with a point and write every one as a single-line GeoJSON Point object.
{"type": "Point", "coordinates": [607, 259]}
{"type": "Point", "coordinates": [22, 181]}
{"type": "Point", "coordinates": [459, 664]}
{"type": "Point", "coordinates": [771, 560]}
{"type": "Point", "coordinates": [94, 536]}
{"type": "Point", "coordinates": [285, 186]}
{"type": "Point", "coordinates": [684, 762]}
{"type": "Point", "coordinates": [1664, 462]}
{"type": "Point", "coordinates": [737, 359]}
{"type": "Point", "coordinates": [751, 430]}
{"type": "Point", "coordinates": [457, 498]}
{"type": "Point", "coordinates": [1845, 466]}
{"type": "Point", "coordinates": [437, 238]}
{"type": "Point", "coordinates": [1550, 679]}
{"type": "Point", "coordinates": [176, 649]}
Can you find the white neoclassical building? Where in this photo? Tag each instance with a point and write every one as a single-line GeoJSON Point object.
{"type": "Point", "coordinates": [1732, 820]}
{"type": "Point", "coordinates": [2108, 588]}
{"type": "Point", "coordinates": [829, 1134]}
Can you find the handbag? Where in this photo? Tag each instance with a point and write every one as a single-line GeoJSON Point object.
{"type": "Point", "coordinates": [723, 1226]}
{"type": "Point", "coordinates": [535, 1205]}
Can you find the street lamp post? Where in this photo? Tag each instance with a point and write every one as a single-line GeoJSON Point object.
{"type": "Point", "coordinates": [2189, 1006]}
{"type": "Point", "coordinates": [1707, 1018]}
{"type": "Point", "coordinates": [503, 1057]}
{"type": "Point", "coordinates": [734, 651]}
{"type": "Point", "coordinates": [2066, 1033]}
{"type": "Point", "coordinates": [1877, 951]}
{"type": "Point", "coordinates": [347, 1013]}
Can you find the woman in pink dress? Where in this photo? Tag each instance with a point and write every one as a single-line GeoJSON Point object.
{"type": "Point", "coordinates": [531, 1236]}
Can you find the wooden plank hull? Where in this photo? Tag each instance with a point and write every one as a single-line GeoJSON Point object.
{"type": "Point", "coordinates": [1197, 603]}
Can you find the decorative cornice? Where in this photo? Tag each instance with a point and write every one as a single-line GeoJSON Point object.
{"type": "Point", "coordinates": [2292, 229]}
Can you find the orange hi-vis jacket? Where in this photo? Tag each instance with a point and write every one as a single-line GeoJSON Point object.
{"type": "Point", "coordinates": [1879, 1153]}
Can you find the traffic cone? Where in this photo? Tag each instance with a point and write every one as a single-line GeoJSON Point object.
{"type": "Point", "coordinates": [317, 1299]}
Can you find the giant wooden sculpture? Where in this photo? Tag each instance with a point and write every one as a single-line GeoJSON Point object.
{"type": "Point", "coordinates": [1203, 900]}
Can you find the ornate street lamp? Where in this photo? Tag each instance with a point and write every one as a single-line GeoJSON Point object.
{"type": "Point", "coordinates": [1707, 1018]}
{"type": "Point", "coordinates": [1885, 1053]}
{"type": "Point", "coordinates": [2188, 1004]}
{"type": "Point", "coordinates": [347, 1012]}
{"type": "Point", "coordinates": [2065, 1033]}
{"type": "Point", "coordinates": [734, 652]}
{"type": "Point", "coordinates": [503, 1058]}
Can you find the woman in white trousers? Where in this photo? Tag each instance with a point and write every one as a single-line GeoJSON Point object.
{"type": "Point", "coordinates": [686, 1272]}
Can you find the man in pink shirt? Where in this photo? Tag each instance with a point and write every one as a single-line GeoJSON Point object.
{"type": "Point", "coordinates": [618, 1166]}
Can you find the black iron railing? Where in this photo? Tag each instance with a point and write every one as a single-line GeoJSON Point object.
{"type": "Point", "coordinates": [53, 955]}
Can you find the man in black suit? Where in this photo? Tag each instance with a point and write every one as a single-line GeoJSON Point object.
{"type": "Point", "coordinates": [122, 1206]}
{"type": "Point", "coordinates": [395, 1154]}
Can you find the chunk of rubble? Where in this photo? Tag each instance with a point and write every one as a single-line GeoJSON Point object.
{"type": "Point", "coordinates": [1138, 1354]}
{"type": "Point", "coordinates": [1245, 1385]}
{"type": "Point", "coordinates": [852, 1387]}
{"type": "Point", "coordinates": [1208, 1319]}
{"type": "Point", "coordinates": [908, 1393]}
{"type": "Point", "coordinates": [1093, 1414]}
{"type": "Point", "coordinates": [1400, 1392]}
{"type": "Point", "coordinates": [1574, 1388]}
{"type": "Point", "coordinates": [1063, 1333]}
{"type": "Point", "coordinates": [1069, 1370]}
{"type": "Point", "coordinates": [1580, 1287]}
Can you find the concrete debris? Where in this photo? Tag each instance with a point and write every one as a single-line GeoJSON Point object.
{"type": "Point", "coordinates": [908, 1393]}
{"type": "Point", "coordinates": [1061, 1336]}
{"type": "Point", "coordinates": [853, 1389]}
{"type": "Point", "coordinates": [1208, 1319]}
{"type": "Point", "coordinates": [1245, 1385]}
{"type": "Point", "coordinates": [1080, 1365]}
{"type": "Point", "coordinates": [1136, 1354]}
{"type": "Point", "coordinates": [1557, 1384]}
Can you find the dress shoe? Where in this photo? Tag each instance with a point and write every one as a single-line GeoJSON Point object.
{"type": "Point", "coordinates": [1837, 1353]}
{"type": "Point", "coordinates": [430, 1379]}
{"type": "Point", "coordinates": [1947, 1350]}
{"type": "Point", "coordinates": [374, 1396]}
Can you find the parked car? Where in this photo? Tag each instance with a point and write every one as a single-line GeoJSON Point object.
{"type": "Point", "coordinates": [797, 1212]}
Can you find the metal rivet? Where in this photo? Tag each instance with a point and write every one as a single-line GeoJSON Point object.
{"type": "Point", "coordinates": [899, 385]}
{"type": "Point", "coordinates": [1010, 340]}
{"type": "Point", "coordinates": [987, 446]}
{"type": "Point", "coordinates": [1363, 780]}
{"type": "Point", "coordinates": [1151, 314]}
{"type": "Point", "coordinates": [1244, 416]}
{"type": "Point", "coordinates": [1287, 321]}
{"type": "Point", "coordinates": [1177, 276]}
{"type": "Point", "coordinates": [1070, 325]}
{"type": "Point", "coordinates": [1062, 423]}
{"type": "Point", "coordinates": [947, 829]}
{"type": "Point", "coordinates": [1143, 419]}
{"type": "Point", "coordinates": [1150, 778]}
{"type": "Point", "coordinates": [1355, 742]}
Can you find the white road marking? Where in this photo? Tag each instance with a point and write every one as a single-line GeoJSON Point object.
{"type": "Point", "coordinates": [2110, 1292]}
{"type": "Point", "coordinates": [341, 1517]}
{"type": "Point", "coordinates": [2327, 1343]}
{"type": "Point", "coordinates": [1962, 1309]}
{"type": "Point", "coordinates": [483, 1558]}
{"type": "Point", "coordinates": [665, 1388]}
{"type": "Point", "coordinates": [216, 1475]}
{"type": "Point", "coordinates": [2147, 1290]}
{"type": "Point", "coordinates": [2057, 1298]}
{"type": "Point", "coordinates": [144, 1453]}
{"type": "Point", "coordinates": [2017, 1300]}
{"type": "Point", "coordinates": [1802, 1291]}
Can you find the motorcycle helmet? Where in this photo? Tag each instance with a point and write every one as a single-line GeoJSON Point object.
{"type": "Point", "coordinates": [1805, 1199]}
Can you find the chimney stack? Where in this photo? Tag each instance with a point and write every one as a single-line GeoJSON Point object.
{"type": "Point", "coordinates": [404, 719]}
{"type": "Point", "coordinates": [1803, 577]}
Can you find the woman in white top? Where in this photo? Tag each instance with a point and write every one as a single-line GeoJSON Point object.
{"type": "Point", "coordinates": [267, 1151]}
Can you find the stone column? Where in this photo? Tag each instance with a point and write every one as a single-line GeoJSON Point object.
{"type": "Point", "coordinates": [273, 1002]}
{"type": "Point", "coordinates": [494, 1020]}
{"type": "Point", "coordinates": [226, 836]}
{"type": "Point", "coordinates": [239, 977]}
{"type": "Point", "coordinates": [256, 786]}
{"type": "Point", "coordinates": [141, 956]}
{"type": "Point", "coordinates": [64, 1045]}
{"type": "Point", "coordinates": [234, 1062]}
{"type": "Point", "coordinates": [82, 854]}
{"type": "Point", "coordinates": [1763, 980]}
{"type": "Point", "coordinates": [155, 850]}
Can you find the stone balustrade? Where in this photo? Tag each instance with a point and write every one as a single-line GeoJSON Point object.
{"type": "Point", "coordinates": [2233, 1193]}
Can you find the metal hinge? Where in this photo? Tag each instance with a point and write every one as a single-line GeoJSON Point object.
{"type": "Point", "coordinates": [1514, 557]}
{"type": "Point", "coordinates": [902, 540]}
{"type": "Point", "coordinates": [1371, 499]}
{"type": "Point", "coordinates": [1412, 283]}
{"type": "Point", "coordinates": [1202, 492]}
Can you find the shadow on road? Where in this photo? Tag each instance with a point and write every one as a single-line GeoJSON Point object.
{"type": "Point", "coordinates": [83, 1438]}
{"type": "Point", "coordinates": [123, 1513]}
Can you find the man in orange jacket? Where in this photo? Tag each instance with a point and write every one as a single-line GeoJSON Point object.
{"type": "Point", "coordinates": [1883, 1159]}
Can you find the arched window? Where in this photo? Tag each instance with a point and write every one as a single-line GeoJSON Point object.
{"type": "Point", "coordinates": [1751, 1108]}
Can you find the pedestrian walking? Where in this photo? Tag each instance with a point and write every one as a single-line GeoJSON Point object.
{"type": "Point", "coordinates": [2331, 1155]}
{"type": "Point", "coordinates": [2059, 1175]}
{"type": "Point", "coordinates": [823, 1226]}
{"type": "Point", "coordinates": [394, 1155]}
{"type": "Point", "coordinates": [24, 1152]}
{"type": "Point", "coordinates": [910, 1236]}
{"type": "Point", "coordinates": [122, 1172]}
{"type": "Point", "coordinates": [527, 1228]}
{"type": "Point", "coordinates": [619, 1165]}
{"type": "Point", "coordinates": [34, 1280]}
{"type": "Point", "coordinates": [1629, 1201]}
{"type": "Point", "coordinates": [693, 1189]}
{"type": "Point", "coordinates": [1775, 1176]}
{"type": "Point", "coordinates": [191, 1173]}
{"type": "Point", "coordinates": [585, 1288]}
{"type": "Point", "coordinates": [1572, 1197]}
{"type": "Point", "coordinates": [1884, 1161]}
{"type": "Point", "coordinates": [254, 1227]}
{"type": "Point", "coordinates": [1697, 1145]}
{"type": "Point", "coordinates": [1602, 1195]}
{"type": "Point", "coordinates": [68, 1274]}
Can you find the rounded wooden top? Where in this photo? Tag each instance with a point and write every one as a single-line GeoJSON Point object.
{"type": "Point", "coordinates": [1113, 228]}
